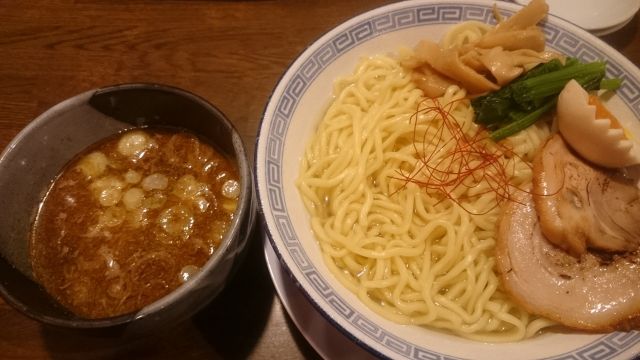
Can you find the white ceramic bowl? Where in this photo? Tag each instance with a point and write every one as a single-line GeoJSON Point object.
{"type": "Point", "coordinates": [593, 15]}
{"type": "Point", "coordinates": [291, 117]}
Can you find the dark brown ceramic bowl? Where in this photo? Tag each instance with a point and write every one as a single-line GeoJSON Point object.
{"type": "Point", "coordinates": [36, 155]}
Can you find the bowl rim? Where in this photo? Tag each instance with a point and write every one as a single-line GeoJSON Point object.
{"type": "Point", "coordinates": [244, 209]}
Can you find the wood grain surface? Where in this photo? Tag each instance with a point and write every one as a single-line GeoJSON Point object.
{"type": "Point", "coordinates": [229, 52]}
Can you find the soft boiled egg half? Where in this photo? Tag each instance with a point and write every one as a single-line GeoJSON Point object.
{"type": "Point", "coordinates": [595, 133]}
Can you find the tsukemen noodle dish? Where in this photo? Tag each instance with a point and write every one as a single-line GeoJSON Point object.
{"type": "Point", "coordinates": [131, 218]}
{"type": "Point", "coordinates": [480, 185]}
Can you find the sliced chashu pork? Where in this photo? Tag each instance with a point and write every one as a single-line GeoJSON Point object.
{"type": "Point", "coordinates": [584, 206]}
{"type": "Point", "coordinates": [590, 293]}
{"type": "Point", "coordinates": [595, 290]}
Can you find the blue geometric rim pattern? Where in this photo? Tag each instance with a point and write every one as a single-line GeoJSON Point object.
{"type": "Point", "coordinates": [606, 347]}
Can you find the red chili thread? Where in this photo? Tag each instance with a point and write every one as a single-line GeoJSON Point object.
{"type": "Point", "coordinates": [472, 160]}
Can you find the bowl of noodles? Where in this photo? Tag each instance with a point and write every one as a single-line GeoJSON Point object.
{"type": "Point", "coordinates": [406, 266]}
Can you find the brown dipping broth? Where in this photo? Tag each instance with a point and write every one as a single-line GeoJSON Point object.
{"type": "Point", "coordinates": [130, 219]}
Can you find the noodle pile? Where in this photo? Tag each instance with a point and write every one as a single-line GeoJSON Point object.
{"type": "Point", "coordinates": [413, 256]}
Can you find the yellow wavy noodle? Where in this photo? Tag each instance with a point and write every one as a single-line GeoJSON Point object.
{"type": "Point", "coordinates": [464, 33]}
{"type": "Point", "coordinates": [408, 254]}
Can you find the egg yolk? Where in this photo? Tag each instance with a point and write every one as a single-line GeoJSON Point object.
{"type": "Point", "coordinates": [602, 112]}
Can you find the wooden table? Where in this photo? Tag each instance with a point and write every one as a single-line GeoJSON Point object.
{"type": "Point", "coordinates": [231, 53]}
